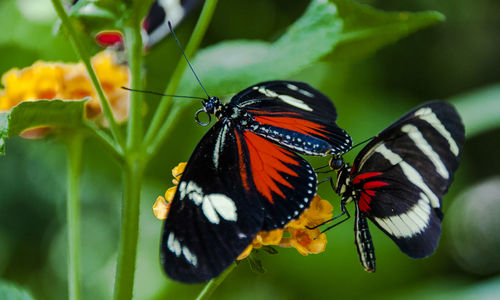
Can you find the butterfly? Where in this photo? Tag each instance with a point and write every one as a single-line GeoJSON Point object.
{"type": "Point", "coordinates": [245, 175]}
{"type": "Point", "coordinates": [398, 179]}
{"type": "Point", "coordinates": [154, 26]}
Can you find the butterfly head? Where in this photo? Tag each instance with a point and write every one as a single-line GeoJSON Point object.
{"type": "Point", "coordinates": [336, 163]}
{"type": "Point", "coordinates": [210, 106]}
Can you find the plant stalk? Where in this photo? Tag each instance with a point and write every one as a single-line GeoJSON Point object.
{"type": "Point", "coordinates": [92, 129]}
{"type": "Point", "coordinates": [152, 137]}
{"type": "Point", "coordinates": [125, 269]}
{"type": "Point", "coordinates": [84, 55]}
{"type": "Point", "coordinates": [213, 284]}
{"type": "Point", "coordinates": [74, 147]}
{"type": "Point", "coordinates": [133, 43]}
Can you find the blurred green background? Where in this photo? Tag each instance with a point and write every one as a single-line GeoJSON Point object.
{"type": "Point", "coordinates": [451, 61]}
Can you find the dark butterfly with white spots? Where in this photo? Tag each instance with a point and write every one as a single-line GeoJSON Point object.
{"type": "Point", "coordinates": [398, 179]}
{"type": "Point", "coordinates": [245, 176]}
{"type": "Point", "coordinates": [155, 24]}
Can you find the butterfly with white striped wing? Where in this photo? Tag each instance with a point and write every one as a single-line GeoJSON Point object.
{"type": "Point", "coordinates": [398, 179]}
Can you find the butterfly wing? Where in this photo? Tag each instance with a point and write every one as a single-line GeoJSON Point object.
{"type": "Point", "coordinates": [234, 185]}
{"type": "Point", "coordinates": [294, 115]}
{"type": "Point", "coordinates": [211, 219]}
{"type": "Point", "coordinates": [284, 183]}
{"type": "Point", "coordinates": [155, 25]}
{"type": "Point", "coordinates": [400, 177]}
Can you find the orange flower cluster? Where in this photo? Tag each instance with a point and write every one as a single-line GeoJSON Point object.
{"type": "Point", "coordinates": [295, 234]}
{"type": "Point", "coordinates": [52, 80]}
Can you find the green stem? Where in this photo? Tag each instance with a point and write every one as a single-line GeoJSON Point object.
{"type": "Point", "coordinates": [152, 136]}
{"type": "Point", "coordinates": [213, 284]}
{"type": "Point", "coordinates": [104, 139]}
{"type": "Point", "coordinates": [133, 43]}
{"type": "Point", "coordinates": [125, 269]}
{"type": "Point", "coordinates": [74, 145]}
{"type": "Point", "coordinates": [84, 55]}
{"type": "Point", "coordinates": [167, 127]}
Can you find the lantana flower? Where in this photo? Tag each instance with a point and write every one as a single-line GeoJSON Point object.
{"type": "Point", "coordinates": [68, 81]}
{"type": "Point", "coordinates": [295, 234]}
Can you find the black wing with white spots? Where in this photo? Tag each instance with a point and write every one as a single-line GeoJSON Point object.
{"type": "Point", "coordinates": [211, 220]}
{"type": "Point", "coordinates": [235, 184]}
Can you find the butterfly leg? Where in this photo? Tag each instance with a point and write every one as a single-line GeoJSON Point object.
{"type": "Point", "coordinates": [325, 180]}
{"type": "Point", "coordinates": [344, 212]}
{"type": "Point", "coordinates": [319, 168]}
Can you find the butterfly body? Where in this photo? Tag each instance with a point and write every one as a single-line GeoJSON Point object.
{"type": "Point", "coordinates": [398, 179]}
{"type": "Point", "coordinates": [245, 175]}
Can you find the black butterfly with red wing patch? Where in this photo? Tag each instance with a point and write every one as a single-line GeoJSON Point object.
{"type": "Point", "coordinates": [398, 179]}
{"type": "Point", "coordinates": [244, 177]}
{"type": "Point", "coordinates": [154, 26]}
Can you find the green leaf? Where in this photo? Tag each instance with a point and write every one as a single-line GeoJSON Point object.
{"type": "Point", "coordinates": [480, 109]}
{"type": "Point", "coordinates": [32, 114]}
{"type": "Point", "coordinates": [367, 29]}
{"type": "Point", "coordinates": [234, 65]}
{"type": "Point", "coordinates": [349, 29]}
{"type": "Point", "coordinates": [98, 15]}
{"type": "Point", "coordinates": [94, 16]}
{"type": "Point", "coordinates": [92, 9]}
{"type": "Point", "coordinates": [4, 131]}
{"type": "Point", "coordinates": [13, 292]}
{"type": "Point", "coordinates": [269, 249]}
{"type": "Point", "coordinates": [256, 264]}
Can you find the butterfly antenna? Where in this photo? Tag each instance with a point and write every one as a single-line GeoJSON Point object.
{"type": "Point", "coordinates": [159, 94]}
{"type": "Point", "coordinates": [361, 143]}
{"type": "Point", "coordinates": [182, 50]}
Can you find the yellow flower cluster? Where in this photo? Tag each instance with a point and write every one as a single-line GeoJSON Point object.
{"type": "Point", "coordinates": [52, 80]}
{"type": "Point", "coordinates": [295, 234]}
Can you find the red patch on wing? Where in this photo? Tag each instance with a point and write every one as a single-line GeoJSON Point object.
{"type": "Point", "coordinates": [364, 202]}
{"type": "Point", "coordinates": [109, 38]}
{"type": "Point", "coordinates": [374, 184]}
{"type": "Point", "coordinates": [145, 24]}
{"type": "Point", "coordinates": [292, 123]}
{"type": "Point", "coordinates": [241, 161]}
{"type": "Point", "coordinates": [364, 176]}
{"type": "Point", "coordinates": [367, 192]}
{"type": "Point", "coordinates": [267, 161]}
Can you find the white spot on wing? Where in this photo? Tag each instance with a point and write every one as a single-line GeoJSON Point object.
{"type": "Point", "coordinates": [430, 117]}
{"type": "Point", "coordinates": [285, 98]}
{"type": "Point", "coordinates": [224, 206]}
{"type": "Point", "coordinates": [416, 136]}
{"type": "Point", "coordinates": [190, 257]}
{"type": "Point", "coordinates": [410, 223]}
{"type": "Point", "coordinates": [212, 205]}
{"type": "Point", "coordinates": [219, 144]}
{"type": "Point", "coordinates": [174, 245]}
{"type": "Point", "coordinates": [411, 174]}
{"type": "Point", "coordinates": [209, 212]}
{"type": "Point", "coordinates": [295, 102]}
